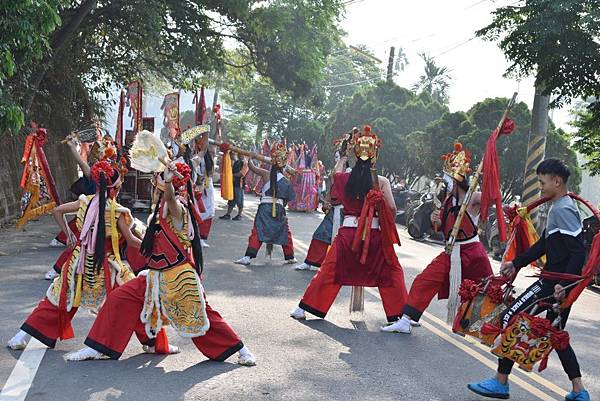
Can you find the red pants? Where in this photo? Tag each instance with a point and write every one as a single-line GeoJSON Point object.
{"type": "Point", "coordinates": [205, 228]}
{"type": "Point", "coordinates": [316, 252]}
{"type": "Point", "coordinates": [435, 278]}
{"type": "Point", "coordinates": [120, 317]}
{"type": "Point", "coordinates": [62, 237]}
{"type": "Point", "coordinates": [62, 259]}
{"type": "Point", "coordinates": [43, 323]}
{"type": "Point", "coordinates": [254, 245]}
{"type": "Point", "coordinates": [323, 289]}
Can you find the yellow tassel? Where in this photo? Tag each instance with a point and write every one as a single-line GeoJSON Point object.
{"type": "Point", "coordinates": [227, 178]}
{"type": "Point", "coordinates": [78, 287]}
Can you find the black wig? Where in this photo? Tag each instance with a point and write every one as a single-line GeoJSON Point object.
{"type": "Point", "coordinates": [360, 182]}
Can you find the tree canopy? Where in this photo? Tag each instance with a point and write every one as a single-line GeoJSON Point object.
{"type": "Point", "coordinates": [555, 40]}
{"type": "Point", "coordinates": [86, 46]}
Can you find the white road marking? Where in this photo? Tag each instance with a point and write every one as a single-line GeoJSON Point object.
{"type": "Point", "coordinates": [19, 382]}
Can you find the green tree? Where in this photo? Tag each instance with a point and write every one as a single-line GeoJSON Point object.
{"type": "Point", "coordinates": [102, 42]}
{"type": "Point", "coordinates": [397, 115]}
{"type": "Point", "coordinates": [435, 80]}
{"type": "Point", "coordinates": [270, 112]}
{"type": "Point", "coordinates": [25, 29]}
{"type": "Point", "coordinates": [555, 41]}
{"type": "Point", "coordinates": [483, 118]}
{"type": "Point", "coordinates": [587, 136]}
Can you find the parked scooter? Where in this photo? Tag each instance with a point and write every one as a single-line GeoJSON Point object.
{"type": "Point", "coordinates": [420, 225]}
{"type": "Point", "coordinates": [405, 200]}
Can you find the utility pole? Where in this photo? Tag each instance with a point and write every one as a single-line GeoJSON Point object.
{"type": "Point", "coordinates": [390, 68]}
{"type": "Point", "coordinates": [536, 149]}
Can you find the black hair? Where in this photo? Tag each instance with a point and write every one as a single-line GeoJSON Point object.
{"type": "Point", "coordinates": [360, 181]}
{"type": "Point", "coordinates": [153, 226]}
{"type": "Point", "coordinates": [209, 163]}
{"type": "Point", "coordinates": [464, 184]}
{"type": "Point", "coordinates": [196, 244]}
{"type": "Point", "coordinates": [99, 250]}
{"type": "Point", "coordinates": [273, 179]}
{"type": "Point", "coordinates": [554, 167]}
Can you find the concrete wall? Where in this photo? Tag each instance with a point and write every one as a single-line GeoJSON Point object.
{"type": "Point", "coordinates": [62, 165]}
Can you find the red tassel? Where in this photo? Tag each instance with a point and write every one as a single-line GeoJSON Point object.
{"type": "Point", "coordinates": [543, 364]}
{"type": "Point", "coordinates": [162, 342]}
{"type": "Point", "coordinates": [490, 329]}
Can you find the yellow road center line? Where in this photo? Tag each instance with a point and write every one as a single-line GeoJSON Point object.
{"type": "Point", "coordinates": [492, 365]}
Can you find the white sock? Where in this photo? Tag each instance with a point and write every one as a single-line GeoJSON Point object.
{"type": "Point", "coordinates": [245, 351]}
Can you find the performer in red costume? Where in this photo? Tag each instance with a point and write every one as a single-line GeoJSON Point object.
{"type": "Point", "coordinates": [469, 258]}
{"type": "Point", "coordinates": [169, 291]}
{"type": "Point", "coordinates": [362, 253]}
{"type": "Point", "coordinates": [94, 267]}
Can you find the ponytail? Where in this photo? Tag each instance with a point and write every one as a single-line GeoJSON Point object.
{"type": "Point", "coordinates": [99, 251]}
{"type": "Point", "coordinates": [360, 181]}
{"type": "Point", "coordinates": [196, 244]}
{"type": "Point", "coordinates": [148, 241]}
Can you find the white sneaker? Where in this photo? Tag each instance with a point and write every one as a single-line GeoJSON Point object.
{"type": "Point", "coordinates": [298, 313]}
{"type": "Point", "coordinates": [291, 261]}
{"type": "Point", "coordinates": [302, 266]}
{"type": "Point", "coordinates": [246, 358]}
{"type": "Point", "coordinates": [204, 244]}
{"type": "Point", "coordinates": [313, 268]}
{"type": "Point", "coordinates": [401, 325]}
{"type": "Point", "coordinates": [414, 323]}
{"type": "Point", "coordinates": [85, 354]}
{"type": "Point", "coordinates": [18, 342]}
{"type": "Point", "coordinates": [50, 274]}
{"type": "Point", "coordinates": [152, 350]}
{"type": "Point", "coordinates": [244, 261]}
{"type": "Point", "coordinates": [55, 243]}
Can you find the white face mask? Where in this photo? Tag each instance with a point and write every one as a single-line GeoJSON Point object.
{"type": "Point", "coordinates": [449, 182]}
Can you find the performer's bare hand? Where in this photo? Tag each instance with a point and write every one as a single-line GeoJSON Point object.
{"type": "Point", "coordinates": [435, 217]}
{"type": "Point", "coordinates": [507, 269]}
{"type": "Point", "coordinates": [559, 292]}
{"type": "Point", "coordinates": [168, 173]}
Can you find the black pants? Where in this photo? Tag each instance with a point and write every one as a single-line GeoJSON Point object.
{"type": "Point", "coordinates": [541, 289]}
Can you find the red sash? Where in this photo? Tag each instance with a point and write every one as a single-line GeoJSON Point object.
{"type": "Point", "coordinates": [167, 249]}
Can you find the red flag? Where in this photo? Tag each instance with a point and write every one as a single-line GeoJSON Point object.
{"type": "Point", "coordinates": [134, 101]}
{"type": "Point", "coordinates": [170, 109]}
{"type": "Point", "coordinates": [490, 191]}
{"type": "Point", "coordinates": [200, 114]}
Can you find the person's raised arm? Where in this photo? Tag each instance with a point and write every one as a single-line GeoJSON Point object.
{"type": "Point", "coordinates": [257, 170]}
{"type": "Point", "coordinates": [125, 229]}
{"type": "Point", "coordinates": [169, 195]}
{"type": "Point", "coordinates": [85, 168]}
{"type": "Point", "coordinates": [58, 214]}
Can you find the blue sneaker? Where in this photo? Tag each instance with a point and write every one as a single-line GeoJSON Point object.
{"type": "Point", "coordinates": [580, 396]}
{"type": "Point", "coordinates": [490, 388]}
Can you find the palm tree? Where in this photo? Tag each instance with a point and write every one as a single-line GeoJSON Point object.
{"type": "Point", "coordinates": [435, 80]}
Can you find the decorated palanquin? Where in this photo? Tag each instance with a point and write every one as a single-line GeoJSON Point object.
{"type": "Point", "coordinates": [528, 340]}
{"type": "Point", "coordinates": [39, 191]}
{"type": "Point", "coordinates": [481, 303]}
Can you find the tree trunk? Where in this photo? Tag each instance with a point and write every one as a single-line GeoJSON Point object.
{"type": "Point", "coordinates": [390, 68]}
{"type": "Point", "coordinates": [58, 42]}
{"type": "Point", "coordinates": [258, 136]}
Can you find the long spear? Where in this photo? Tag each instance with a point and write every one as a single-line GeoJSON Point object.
{"type": "Point", "coordinates": [473, 184]}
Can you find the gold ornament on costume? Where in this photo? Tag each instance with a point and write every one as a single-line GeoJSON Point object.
{"type": "Point", "coordinates": [457, 163]}
{"type": "Point", "coordinates": [366, 145]}
{"type": "Point", "coordinates": [279, 154]}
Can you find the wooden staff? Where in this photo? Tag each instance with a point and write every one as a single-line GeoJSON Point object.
{"type": "Point", "coordinates": [252, 155]}
{"type": "Point", "coordinates": [473, 185]}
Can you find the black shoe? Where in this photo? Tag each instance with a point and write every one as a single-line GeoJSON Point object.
{"type": "Point", "coordinates": [225, 217]}
{"type": "Point", "coordinates": [238, 217]}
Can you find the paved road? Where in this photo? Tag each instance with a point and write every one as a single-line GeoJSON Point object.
{"type": "Point", "coordinates": [341, 358]}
